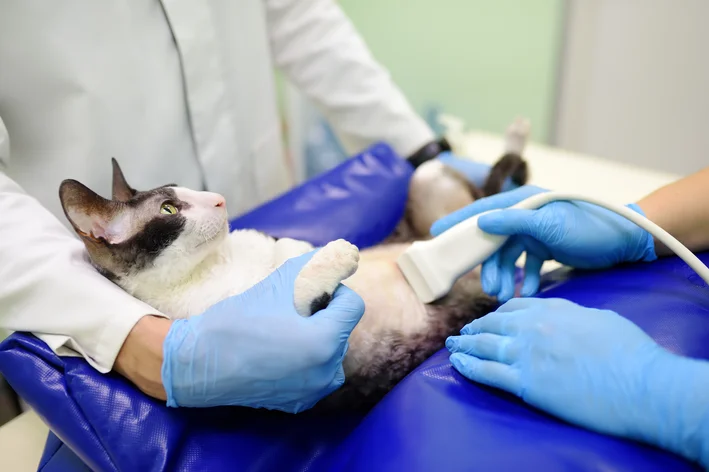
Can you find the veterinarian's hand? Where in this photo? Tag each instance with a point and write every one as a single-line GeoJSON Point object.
{"type": "Point", "coordinates": [592, 368]}
{"type": "Point", "coordinates": [255, 350]}
{"type": "Point", "coordinates": [577, 234]}
{"type": "Point", "coordinates": [475, 172]}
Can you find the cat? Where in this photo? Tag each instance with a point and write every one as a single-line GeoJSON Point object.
{"type": "Point", "coordinates": [171, 247]}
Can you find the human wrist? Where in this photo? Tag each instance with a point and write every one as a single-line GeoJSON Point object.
{"type": "Point", "coordinates": [642, 246]}
{"type": "Point", "coordinates": [674, 413]}
{"type": "Point", "coordinates": [429, 151]}
{"type": "Point", "coordinates": [141, 356]}
{"type": "Point", "coordinates": [173, 341]}
{"type": "Point", "coordinates": [181, 355]}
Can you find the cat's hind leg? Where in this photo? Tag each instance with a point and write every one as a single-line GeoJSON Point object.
{"type": "Point", "coordinates": [435, 190]}
{"type": "Point", "coordinates": [320, 277]}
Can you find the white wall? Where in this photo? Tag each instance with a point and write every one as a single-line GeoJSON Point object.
{"type": "Point", "coordinates": [635, 82]}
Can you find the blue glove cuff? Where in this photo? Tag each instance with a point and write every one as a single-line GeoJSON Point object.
{"type": "Point", "coordinates": [676, 395]}
{"type": "Point", "coordinates": [173, 341]}
{"type": "Point", "coordinates": [645, 250]}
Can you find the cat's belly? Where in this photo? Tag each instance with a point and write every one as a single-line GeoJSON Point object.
{"type": "Point", "coordinates": [391, 304]}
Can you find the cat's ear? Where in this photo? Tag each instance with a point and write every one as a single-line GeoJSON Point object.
{"type": "Point", "coordinates": [93, 217]}
{"type": "Point", "coordinates": [122, 192]}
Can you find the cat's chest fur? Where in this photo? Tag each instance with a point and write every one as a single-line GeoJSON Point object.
{"type": "Point", "coordinates": [246, 257]}
{"type": "Point", "coordinates": [242, 260]}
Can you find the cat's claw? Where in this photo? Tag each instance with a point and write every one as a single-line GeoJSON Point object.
{"type": "Point", "coordinates": [320, 277]}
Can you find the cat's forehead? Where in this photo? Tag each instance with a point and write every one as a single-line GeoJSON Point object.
{"type": "Point", "coordinates": [166, 192]}
{"type": "Point", "coordinates": [193, 196]}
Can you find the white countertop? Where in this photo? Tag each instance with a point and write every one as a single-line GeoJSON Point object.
{"type": "Point", "coordinates": [557, 169]}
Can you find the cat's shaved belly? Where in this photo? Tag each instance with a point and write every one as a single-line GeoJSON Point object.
{"type": "Point", "coordinates": [391, 304]}
{"type": "Point", "coordinates": [397, 331]}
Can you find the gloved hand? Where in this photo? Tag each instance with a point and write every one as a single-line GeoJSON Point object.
{"type": "Point", "coordinates": [592, 368]}
{"type": "Point", "coordinates": [254, 349]}
{"type": "Point", "coordinates": [577, 234]}
{"type": "Point", "coordinates": [474, 172]}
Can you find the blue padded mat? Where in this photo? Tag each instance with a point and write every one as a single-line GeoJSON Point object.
{"type": "Point", "coordinates": [433, 420]}
{"type": "Point", "coordinates": [361, 200]}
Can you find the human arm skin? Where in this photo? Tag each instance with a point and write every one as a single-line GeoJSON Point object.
{"type": "Point", "coordinates": [682, 209]}
{"type": "Point", "coordinates": [141, 357]}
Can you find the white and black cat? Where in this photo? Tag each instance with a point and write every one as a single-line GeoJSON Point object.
{"type": "Point", "coordinates": [171, 247]}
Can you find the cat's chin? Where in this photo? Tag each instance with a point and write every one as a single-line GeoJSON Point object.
{"type": "Point", "coordinates": [217, 237]}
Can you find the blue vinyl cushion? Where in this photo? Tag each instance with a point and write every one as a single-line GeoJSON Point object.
{"type": "Point", "coordinates": [437, 420]}
{"type": "Point", "coordinates": [360, 200]}
{"type": "Point", "coordinates": [433, 420]}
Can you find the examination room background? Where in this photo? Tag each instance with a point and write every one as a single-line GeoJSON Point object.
{"type": "Point", "coordinates": [620, 79]}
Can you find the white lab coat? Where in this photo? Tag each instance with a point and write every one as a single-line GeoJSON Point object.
{"type": "Point", "coordinates": [177, 91]}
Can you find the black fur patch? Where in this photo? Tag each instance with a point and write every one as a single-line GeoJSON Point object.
{"type": "Point", "coordinates": [320, 303]}
{"type": "Point", "coordinates": [158, 233]}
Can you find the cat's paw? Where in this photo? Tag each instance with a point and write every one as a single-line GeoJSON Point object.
{"type": "Point", "coordinates": [517, 135]}
{"type": "Point", "coordinates": [320, 277]}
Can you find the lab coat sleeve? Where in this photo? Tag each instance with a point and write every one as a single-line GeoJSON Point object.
{"type": "Point", "coordinates": [49, 288]}
{"type": "Point", "coordinates": [318, 49]}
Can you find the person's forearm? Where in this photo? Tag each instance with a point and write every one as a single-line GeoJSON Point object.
{"type": "Point", "coordinates": [140, 359]}
{"type": "Point", "coordinates": [675, 416]}
{"type": "Point", "coordinates": [682, 209]}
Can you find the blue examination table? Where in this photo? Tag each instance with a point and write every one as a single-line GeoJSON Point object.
{"type": "Point", "coordinates": [434, 420]}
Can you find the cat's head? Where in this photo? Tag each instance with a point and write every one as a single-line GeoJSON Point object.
{"type": "Point", "coordinates": [167, 226]}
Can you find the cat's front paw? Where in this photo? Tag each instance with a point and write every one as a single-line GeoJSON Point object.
{"type": "Point", "coordinates": [320, 277]}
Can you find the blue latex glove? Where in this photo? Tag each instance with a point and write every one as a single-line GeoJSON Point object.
{"type": "Point", "coordinates": [577, 234]}
{"type": "Point", "coordinates": [254, 349]}
{"type": "Point", "coordinates": [475, 172]}
{"type": "Point", "coordinates": [592, 368]}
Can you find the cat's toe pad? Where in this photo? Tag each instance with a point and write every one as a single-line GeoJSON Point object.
{"type": "Point", "coordinates": [320, 277]}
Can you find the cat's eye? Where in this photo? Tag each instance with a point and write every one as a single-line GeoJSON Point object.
{"type": "Point", "coordinates": [167, 209]}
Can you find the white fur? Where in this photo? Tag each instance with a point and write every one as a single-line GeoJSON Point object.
{"type": "Point", "coordinates": [206, 263]}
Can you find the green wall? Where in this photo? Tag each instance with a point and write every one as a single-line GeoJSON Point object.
{"type": "Point", "coordinates": [483, 60]}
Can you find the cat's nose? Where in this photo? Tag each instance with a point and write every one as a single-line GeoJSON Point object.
{"type": "Point", "coordinates": [215, 199]}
